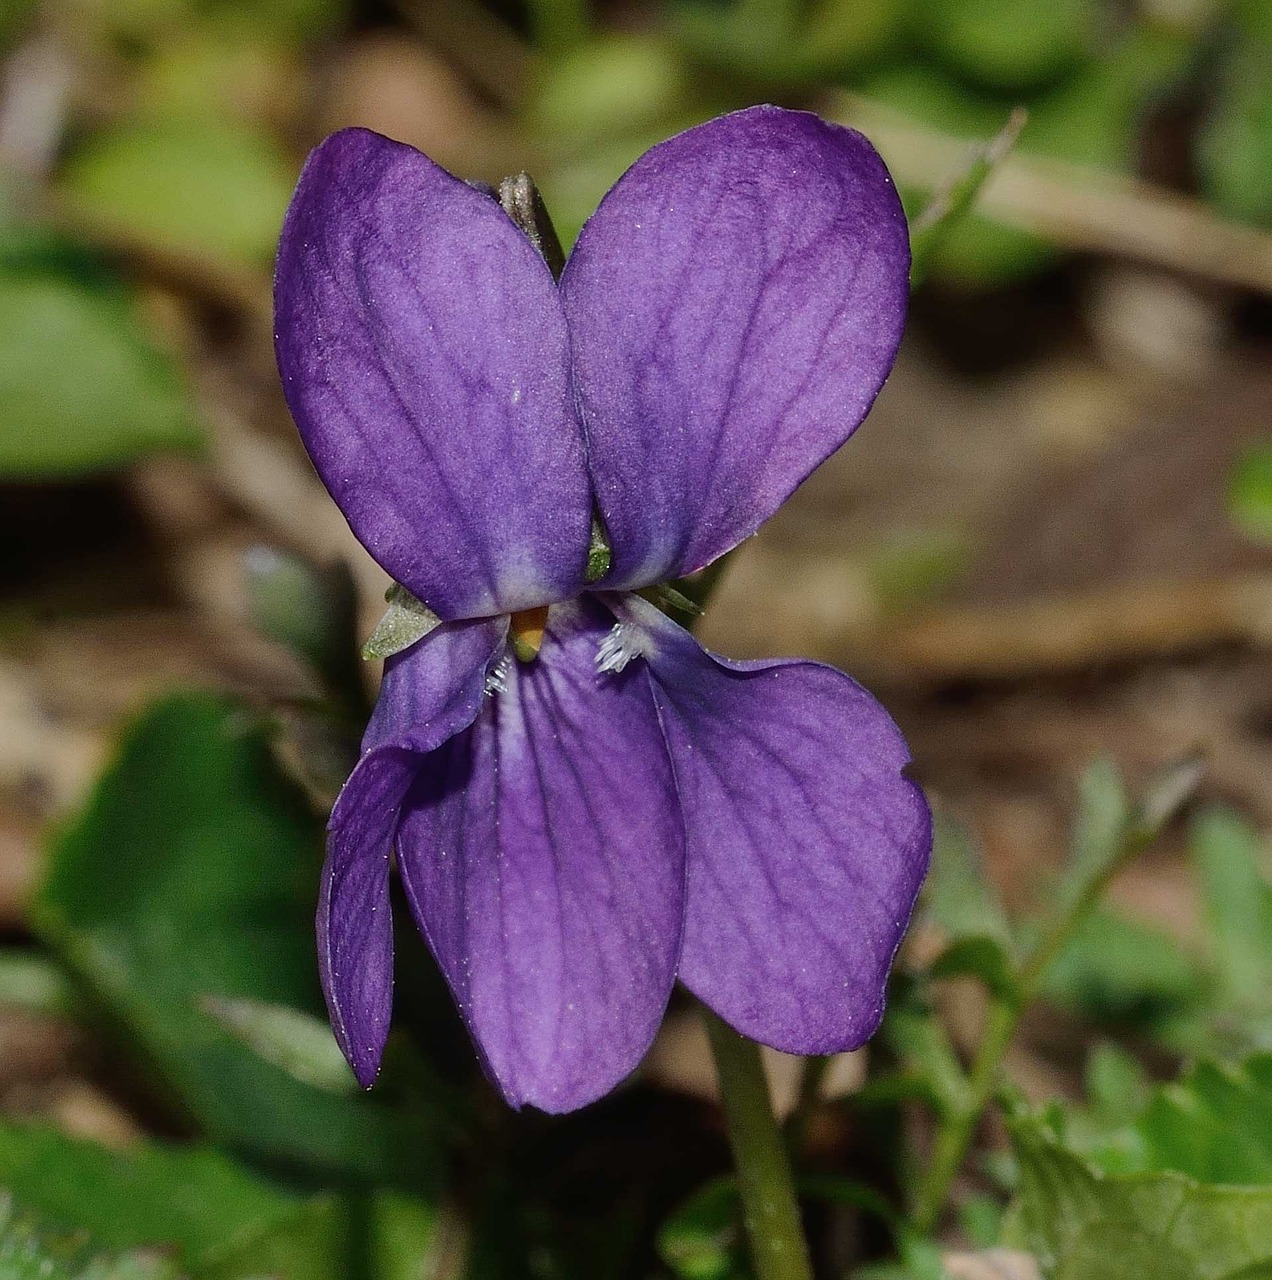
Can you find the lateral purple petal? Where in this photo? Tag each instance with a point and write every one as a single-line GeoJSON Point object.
{"type": "Point", "coordinates": [355, 925]}
{"type": "Point", "coordinates": [424, 355]}
{"type": "Point", "coordinates": [434, 689]}
{"type": "Point", "coordinates": [805, 844]}
{"type": "Point", "coordinates": [735, 305]}
{"type": "Point", "coordinates": [430, 691]}
{"type": "Point", "coordinates": [542, 853]}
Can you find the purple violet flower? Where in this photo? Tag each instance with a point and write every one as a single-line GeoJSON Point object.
{"type": "Point", "coordinates": [585, 804]}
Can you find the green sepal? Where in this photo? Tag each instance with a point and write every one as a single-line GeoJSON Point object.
{"type": "Point", "coordinates": [407, 621]}
{"type": "Point", "coordinates": [599, 556]}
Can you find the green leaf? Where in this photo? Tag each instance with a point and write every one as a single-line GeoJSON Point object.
{"type": "Point", "coordinates": [702, 1239]}
{"type": "Point", "coordinates": [1118, 972]}
{"type": "Point", "coordinates": [1099, 835]}
{"type": "Point", "coordinates": [193, 873]}
{"type": "Point", "coordinates": [1008, 44]}
{"type": "Point", "coordinates": [218, 1220]}
{"type": "Point", "coordinates": [1234, 151]}
{"type": "Point", "coordinates": [1084, 1225]}
{"type": "Point", "coordinates": [958, 894]}
{"type": "Point", "coordinates": [190, 1199]}
{"type": "Point", "coordinates": [779, 44]}
{"type": "Point", "coordinates": [31, 1250]}
{"type": "Point", "coordinates": [1250, 493]}
{"type": "Point", "coordinates": [918, 1039]}
{"type": "Point", "coordinates": [1214, 1124]}
{"type": "Point", "coordinates": [298, 1042]}
{"type": "Point", "coordinates": [609, 86]}
{"type": "Point", "coordinates": [1090, 118]}
{"type": "Point", "coordinates": [185, 184]}
{"type": "Point", "coordinates": [978, 957]}
{"type": "Point", "coordinates": [1237, 899]}
{"type": "Point", "coordinates": [82, 386]}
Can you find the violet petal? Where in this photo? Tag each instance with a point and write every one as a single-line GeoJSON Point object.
{"type": "Point", "coordinates": [355, 924]}
{"type": "Point", "coordinates": [805, 844]}
{"type": "Point", "coordinates": [735, 305]}
{"type": "Point", "coordinates": [543, 854]}
{"type": "Point", "coordinates": [424, 356]}
{"type": "Point", "coordinates": [430, 691]}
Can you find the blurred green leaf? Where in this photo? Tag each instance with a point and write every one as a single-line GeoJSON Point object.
{"type": "Point", "coordinates": [614, 85]}
{"type": "Point", "coordinates": [1103, 1131]}
{"type": "Point", "coordinates": [31, 1250]}
{"type": "Point", "coordinates": [957, 893]}
{"type": "Point", "coordinates": [15, 16]}
{"type": "Point", "coordinates": [190, 185]}
{"type": "Point", "coordinates": [980, 1217]}
{"type": "Point", "coordinates": [312, 609]}
{"type": "Point", "coordinates": [1120, 973]}
{"type": "Point", "coordinates": [781, 45]}
{"type": "Point", "coordinates": [214, 73]}
{"type": "Point", "coordinates": [1115, 1082]}
{"type": "Point", "coordinates": [1250, 494]}
{"type": "Point", "coordinates": [917, 1038]}
{"type": "Point", "coordinates": [300, 1043]}
{"type": "Point", "coordinates": [214, 1217]}
{"type": "Point", "coordinates": [1234, 150]}
{"type": "Point", "coordinates": [950, 205]}
{"type": "Point", "coordinates": [1084, 1225]}
{"type": "Point", "coordinates": [1008, 44]}
{"type": "Point", "coordinates": [385, 1236]}
{"type": "Point", "coordinates": [1237, 899]}
{"type": "Point", "coordinates": [294, 19]}
{"type": "Point", "coordinates": [702, 1239]}
{"type": "Point", "coordinates": [82, 386]}
{"type": "Point", "coordinates": [978, 957]}
{"type": "Point", "coordinates": [1214, 1124]}
{"type": "Point", "coordinates": [190, 1199]}
{"type": "Point", "coordinates": [1099, 835]}
{"type": "Point", "coordinates": [1089, 118]}
{"type": "Point", "coordinates": [30, 980]}
{"type": "Point", "coordinates": [193, 873]}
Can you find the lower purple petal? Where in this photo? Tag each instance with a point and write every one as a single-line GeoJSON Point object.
{"type": "Point", "coordinates": [430, 691]}
{"type": "Point", "coordinates": [806, 846]}
{"type": "Point", "coordinates": [543, 854]}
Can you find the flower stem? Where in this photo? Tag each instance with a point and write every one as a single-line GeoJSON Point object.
{"type": "Point", "coordinates": [759, 1154]}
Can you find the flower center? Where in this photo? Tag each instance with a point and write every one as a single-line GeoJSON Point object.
{"type": "Point", "coordinates": [526, 632]}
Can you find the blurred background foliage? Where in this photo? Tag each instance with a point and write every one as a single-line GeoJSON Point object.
{"type": "Point", "coordinates": [1050, 543]}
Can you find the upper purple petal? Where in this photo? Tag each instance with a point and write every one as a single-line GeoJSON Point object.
{"type": "Point", "coordinates": [735, 305]}
{"type": "Point", "coordinates": [424, 356]}
{"type": "Point", "coordinates": [431, 691]}
{"type": "Point", "coordinates": [805, 844]}
{"type": "Point", "coordinates": [543, 854]}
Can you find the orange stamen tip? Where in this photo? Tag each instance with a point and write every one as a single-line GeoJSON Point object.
{"type": "Point", "coordinates": [526, 632]}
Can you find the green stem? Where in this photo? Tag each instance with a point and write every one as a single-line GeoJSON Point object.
{"type": "Point", "coordinates": [764, 1175]}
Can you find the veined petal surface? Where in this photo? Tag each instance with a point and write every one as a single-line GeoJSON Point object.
{"type": "Point", "coordinates": [735, 304]}
{"type": "Point", "coordinates": [805, 844]}
{"type": "Point", "coordinates": [430, 691]}
{"type": "Point", "coordinates": [542, 851]}
{"type": "Point", "coordinates": [354, 923]}
{"type": "Point", "coordinates": [424, 356]}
